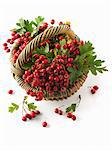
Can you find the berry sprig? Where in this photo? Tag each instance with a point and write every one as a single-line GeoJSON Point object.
{"type": "Point", "coordinates": [94, 89]}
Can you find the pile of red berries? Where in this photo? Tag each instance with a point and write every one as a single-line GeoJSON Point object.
{"type": "Point", "coordinates": [49, 76]}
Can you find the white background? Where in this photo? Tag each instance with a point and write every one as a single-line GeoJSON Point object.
{"type": "Point", "coordinates": [92, 130]}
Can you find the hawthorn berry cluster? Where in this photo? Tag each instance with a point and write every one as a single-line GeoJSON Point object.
{"type": "Point", "coordinates": [69, 114]}
{"type": "Point", "coordinates": [46, 75]}
{"type": "Point", "coordinates": [94, 89]}
{"type": "Point", "coordinates": [52, 75]}
{"type": "Point", "coordinates": [30, 115]}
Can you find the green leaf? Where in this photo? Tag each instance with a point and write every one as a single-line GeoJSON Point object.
{"type": "Point", "coordinates": [62, 42]}
{"type": "Point", "coordinates": [13, 107]}
{"type": "Point", "coordinates": [72, 78]}
{"type": "Point", "coordinates": [22, 22]}
{"type": "Point", "coordinates": [28, 65]}
{"type": "Point", "coordinates": [46, 48]}
{"type": "Point", "coordinates": [71, 70]}
{"type": "Point", "coordinates": [39, 20]}
{"type": "Point", "coordinates": [31, 106]}
{"type": "Point", "coordinates": [71, 108]}
{"type": "Point", "coordinates": [86, 48]}
{"type": "Point", "coordinates": [98, 62]}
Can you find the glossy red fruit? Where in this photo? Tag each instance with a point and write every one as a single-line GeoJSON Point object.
{"type": "Point", "coordinates": [60, 23]}
{"type": "Point", "coordinates": [44, 124]}
{"type": "Point", "coordinates": [57, 45]}
{"type": "Point", "coordinates": [75, 41]}
{"type": "Point", "coordinates": [5, 44]}
{"type": "Point", "coordinates": [52, 21]}
{"type": "Point", "coordinates": [95, 87]}
{"type": "Point", "coordinates": [13, 33]}
{"type": "Point", "coordinates": [33, 114]}
{"type": "Point", "coordinates": [93, 91]}
{"type": "Point", "coordinates": [70, 60]}
{"type": "Point", "coordinates": [65, 46]}
{"type": "Point", "coordinates": [60, 112]}
{"type": "Point", "coordinates": [8, 40]}
{"type": "Point", "coordinates": [45, 61]}
{"type": "Point", "coordinates": [73, 117]}
{"type": "Point", "coordinates": [27, 34]}
{"type": "Point", "coordinates": [56, 110]}
{"type": "Point", "coordinates": [69, 115]}
{"type": "Point", "coordinates": [28, 116]}
{"type": "Point", "coordinates": [10, 92]}
{"type": "Point", "coordinates": [24, 118]}
{"type": "Point", "coordinates": [8, 50]}
{"type": "Point", "coordinates": [5, 47]}
{"type": "Point", "coordinates": [60, 38]}
{"type": "Point", "coordinates": [37, 112]}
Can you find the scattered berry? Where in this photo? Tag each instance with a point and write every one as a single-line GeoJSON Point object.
{"type": "Point", "coordinates": [44, 124]}
{"type": "Point", "coordinates": [93, 91]}
{"type": "Point", "coordinates": [73, 117]}
{"type": "Point", "coordinates": [95, 87]}
{"type": "Point", "coordinates": [10, 92]}
{"type": "Point", "coordinates": [69, 115]}
{"type": "Point", "coordinates": [52, 21]}
{"type": "Point", "coordinates": [24, 118]}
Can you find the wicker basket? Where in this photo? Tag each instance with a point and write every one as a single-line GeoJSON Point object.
{"type": "Point", "coordinates": [17, 68]}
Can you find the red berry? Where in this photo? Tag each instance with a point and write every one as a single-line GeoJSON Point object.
{"type": "Point", "coordinates": [70, 60]}
{"type": "Point", "coordinates": [13, 33]}
{"type": "Point", "coordinates": [82, 43]}
{"type": "Point", "coordinates": [60, 112]}
{"type": "Point", "coordinates": [52, 21]}
{"type": "Point", "coordinates": [27, 34]}
{"type": "Point", "coordinates": [51, 78]}
{"type": "Point", "coordinates": [93, 91]}
{"type": "Point", "coordinates": [5, 47]}
{"type": "Point", "coordinates": [28, 116]}
{"type": "Point", "coordinates": [33, 114]}
{"type": "Point", "coordinates": [45, 61]}
{"type": "Point", "coordinates": [56, 110]}
{"type": "Point", "coordinates": [8, 50]}
{"type": "Point", "coordinates": [45, 25]}
{"type": "Point", "coordinates": [5, 44]}
{"type": "Point", "coordinates": [65, 46]}
{"type": "Point", "coordinates": [8, 40]}
{"type": "Point", "coordinates": [55, 88]}
{"type": "Point", "coordinates": [95, 87]}
{"type": "Point", "coordinates": [24, 118]}
{"type": "Point", "coordinates": [37, 112]}
{"type": "Point", "coordinates": [75, 41]}
{"type": "Point", "coordinates": [60, 23]}
{"type": "Point", "coordinates": [69, 115]}
{"type": "Point", "coordinates": [57, 45]}
{"type": "Point", "coordinates": [44, 124]}
{"type": "Point", "coordinates": [10, 92]}
{"type": "Point", "coordinates": [60, 38]}
{"type": "Point", "coordinates": [69, 45]}
{"type": "Point", "coordinates": [73, 117]}
{"type": "Point", "coordinates": [36, 56]}
{"type": "Point", "coordinates": [42, 57]}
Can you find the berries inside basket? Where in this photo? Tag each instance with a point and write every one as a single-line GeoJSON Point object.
{"type": "Point", "coordinates": [49, 60]}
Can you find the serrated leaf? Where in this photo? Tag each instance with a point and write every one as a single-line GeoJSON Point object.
{"type": "Point", "coordinates": [31, 106]}
{"type": "Point", "coordinates": [71, 70]}
{"type": "Point", "coordinates": [46, 49]}
{"type": "Point", "coordinates": [71, 108]}
{"type": "Point", "coordinates": [13, 107]}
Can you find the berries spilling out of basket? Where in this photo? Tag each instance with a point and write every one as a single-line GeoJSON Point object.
{"type": "Point", "coordinates": [57, 63]}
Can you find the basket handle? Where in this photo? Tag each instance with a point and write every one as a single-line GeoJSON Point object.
{"type": "Point", "coordinates": [30, 47]}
